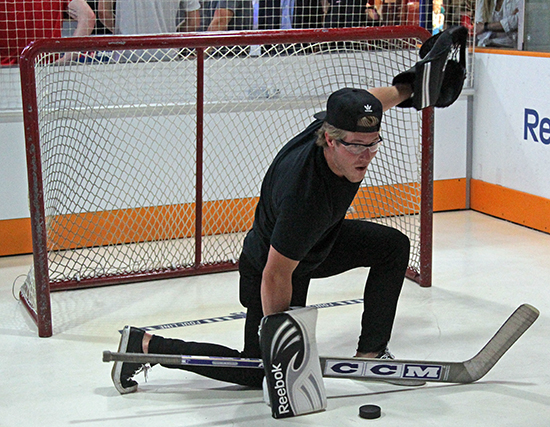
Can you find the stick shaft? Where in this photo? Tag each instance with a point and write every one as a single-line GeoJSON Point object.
{"type": "Point", "coordinates": [183, 360]}
{"type": "Point", "coordinates": [373, 369]}
{"type": "Point", "coordinates": [332, 367]}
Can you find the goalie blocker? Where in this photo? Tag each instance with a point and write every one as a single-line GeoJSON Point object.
{"type": "Point", "coordinates": [438, 78]}
{"type": "Point", "coordinates": [291, 363]}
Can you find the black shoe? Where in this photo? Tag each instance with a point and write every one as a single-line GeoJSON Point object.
{"type": "Point", "coordinates": [122, 373]}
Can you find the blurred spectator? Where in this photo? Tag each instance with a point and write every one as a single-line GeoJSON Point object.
{"type": "Point", "coordinates": [100, 29]}
{"type": "Point", "coordinates": [307, 14]}
{"type": "Point", "coordinates": [391, 12]}
{"type": "Point", "coordinates": [347, 13]}
{"type": "Point", "coordinates": [149, 16]}
{"type": "Point", "coordinates": [410, 13]}
{"type": "Point", "coordinates": [360, 13]}
{"type": "Point", "coordinates": [24, 21]}
{"type": "Point", "coordinates": [127, 17]}
{"type": "Point", "coordinates": [284, 14]}
{"type": "Point", "coordinates": [373, 12]}
{"type": "Point", "coordinates": [458, 12]}
{"type": "Point", "coordinates": [269, 14]}
{"type": "Point", "coordinates": [438, 16]}
{"type": "Point", "coordinates": [226, 15]}
{"type": "Point", "coordinates": [497, 22]}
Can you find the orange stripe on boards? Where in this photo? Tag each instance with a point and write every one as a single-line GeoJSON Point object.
{"type": "Point", "coordinates": [512, 205]}
{"type": "Point", "coordinates": [221, 216]}
{"type": "Point", "coordinates": [449, 194]}
{"type": "Point", "coordinates": [512, 52]}
{"type": "Point", "coordinates": [130, 225]}
{"type": "Point", "coordinates": [120, 226]}
{"type": "Point", "coordinates": [386, 200]}
{"type": "Point", "coordinates": [149, 224]}
{"type": "Point", "coordinates": [15, 236]}
{"type": "Point", "coordinates": [228, 216]}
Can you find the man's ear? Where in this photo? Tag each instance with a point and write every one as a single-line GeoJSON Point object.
{"type": "Point", "coordinates": [330, 142]}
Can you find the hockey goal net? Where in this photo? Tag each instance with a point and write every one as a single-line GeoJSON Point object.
{"type": "Point", "coordinates": [146, 153]}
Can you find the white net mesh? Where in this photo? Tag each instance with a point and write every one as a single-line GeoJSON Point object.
{"type": "Point", "coordinates": [23, 21]}
{"type": "Point", "coordinates": [122, 174]}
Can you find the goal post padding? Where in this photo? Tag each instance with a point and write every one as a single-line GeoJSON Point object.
{"type": "Point", "coordinates": [146, 155]}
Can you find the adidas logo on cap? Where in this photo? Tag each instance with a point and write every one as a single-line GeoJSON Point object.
{"type": "Point", "coordinates": [347, 106]}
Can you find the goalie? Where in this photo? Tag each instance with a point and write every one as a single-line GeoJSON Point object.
{"type": "Point", "coordinates": [300, 233]}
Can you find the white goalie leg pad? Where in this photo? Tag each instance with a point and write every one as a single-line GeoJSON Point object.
{"type": "Point", "coordinates": [291, 363]}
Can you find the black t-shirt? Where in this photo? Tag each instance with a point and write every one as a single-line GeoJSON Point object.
{"type": "Point", "coordinates": [302, 206]}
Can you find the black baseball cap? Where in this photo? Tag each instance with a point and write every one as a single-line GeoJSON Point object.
{"type": "Point", "coordinates": [346, 106]}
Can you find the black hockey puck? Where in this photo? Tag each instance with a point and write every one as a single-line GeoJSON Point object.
{"type": "Point", "coordinates": [369, 412]}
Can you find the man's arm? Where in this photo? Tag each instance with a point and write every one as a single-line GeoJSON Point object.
{"type": "Point", "coordinates": [276, 290]}
{"type": "Point", "coordinates": [390, 96]}
{"type": "Point", "coordinates": [511, 24]}
{"type": "Point", "coordinates": [191, 22]}
{"type": "Point", "coordinates": [221, 20]}
{"type": "Point", "coordinates": [106, 14]}
{"type": "Point", "coordinates": [80, 11]}
{"type": "Point", "coordinates": [482, 27]}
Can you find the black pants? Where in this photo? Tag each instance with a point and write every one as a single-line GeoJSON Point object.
{"type": "Point", "coordinates": [360, 244]}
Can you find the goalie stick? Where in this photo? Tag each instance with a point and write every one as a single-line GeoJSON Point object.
{"type": "Point", "coordinates": [376, 369]}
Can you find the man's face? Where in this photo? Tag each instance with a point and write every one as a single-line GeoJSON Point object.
{"type": "Point", "coordinates": [350, 157]}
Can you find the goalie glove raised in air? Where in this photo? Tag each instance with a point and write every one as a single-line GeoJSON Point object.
{"type": "Point", "coordinates": [438, 78]}
{"type": "Point", "coordinates": [291, 363]}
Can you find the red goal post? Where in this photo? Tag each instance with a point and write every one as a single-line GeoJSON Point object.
{"type": "Point", "coordinates": [145, 154]}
